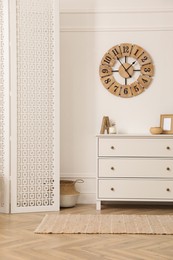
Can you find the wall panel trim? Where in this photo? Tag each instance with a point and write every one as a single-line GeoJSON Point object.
{"type": "Point", "coordinates": [78, 176]}
{"type": "Point", "coordinates": [115, 11]}
{"type": "Point", "coordinates": [116, 29]}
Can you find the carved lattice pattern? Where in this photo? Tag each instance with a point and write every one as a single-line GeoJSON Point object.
{"type": "Point", "coordinates": [1, 103]}
{"type": "Point", "coordinates": [35, 103]}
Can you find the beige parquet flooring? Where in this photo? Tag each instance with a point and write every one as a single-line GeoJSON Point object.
{"type": "Point", "coordinates": [18, 241]}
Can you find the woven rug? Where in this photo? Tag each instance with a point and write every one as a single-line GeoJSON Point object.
{"type": "Point", "coordinates": [106, 224]}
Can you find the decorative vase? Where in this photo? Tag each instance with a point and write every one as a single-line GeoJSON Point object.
{"type": "Point", "coordinates": [113, 129]}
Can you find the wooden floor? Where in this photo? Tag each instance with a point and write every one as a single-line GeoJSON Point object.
{"type": "Point", "coordinates": [18, 241]}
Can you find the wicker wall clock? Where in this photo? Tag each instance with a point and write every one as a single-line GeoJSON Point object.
{"type": "Point", "coordinates": [126, 70]}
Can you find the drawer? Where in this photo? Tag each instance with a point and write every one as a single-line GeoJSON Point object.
{"type": "Point", "coordinates": [135, 189]}
{"type": "Point", "coordinates": [119, 167]}
{"type": "Point", "coordinates": [135, 147]}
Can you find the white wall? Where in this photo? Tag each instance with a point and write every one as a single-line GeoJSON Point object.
{"type": "Point", "coordinates": [88, 29]}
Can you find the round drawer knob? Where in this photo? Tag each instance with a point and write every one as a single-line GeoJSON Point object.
{"type": "Point", "coordinates": [112, 147]}
{"type": "Point", "coordinates": [112, 189]}
{"type": "Point", "coordinates": [168, 189]}
{"type": "Point", "coordinates": [168, 169]}
{"type": "Point", "coordinates": [112, 168]}
{"type": "Point", "coordinates": [168, 148]}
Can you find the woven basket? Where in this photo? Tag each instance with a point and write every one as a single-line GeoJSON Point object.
{"type": "Point", "coordinates": [68, 193]}
{"type": "Point", "coordinates": [68, 187]}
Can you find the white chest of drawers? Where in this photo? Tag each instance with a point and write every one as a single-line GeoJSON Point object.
{"type": "Point", "coordinates": [134, 168]}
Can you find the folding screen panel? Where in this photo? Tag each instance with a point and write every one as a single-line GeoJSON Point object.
{"type": "Point", "coordinates": [34, 105]}
{"type": "Point", "coordinates": [4, 108]}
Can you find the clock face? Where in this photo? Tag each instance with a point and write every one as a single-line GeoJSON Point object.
{"type": "Point", "coordinates": [126, 70]}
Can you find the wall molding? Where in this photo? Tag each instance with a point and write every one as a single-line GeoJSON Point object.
{"type": "Point", "coordinates": [77, 176]}
{"type": "Point", "coordinates": [116, 29]}
{"type": "Point", "coordinates": [115, 11]}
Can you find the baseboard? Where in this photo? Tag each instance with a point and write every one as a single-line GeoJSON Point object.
{"type": "Point", "coordinates": [87, 198]}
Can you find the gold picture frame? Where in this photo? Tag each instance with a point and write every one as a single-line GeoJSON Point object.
{"type": "Point", "coordinates": [166, 123]}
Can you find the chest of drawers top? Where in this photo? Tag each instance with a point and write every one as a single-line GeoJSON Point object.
{"type": "Point", "coordinates": [135, 145]}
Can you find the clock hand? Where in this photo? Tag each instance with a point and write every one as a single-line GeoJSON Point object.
{"type": "Point", "coordinates": [135, 60]}
{"type": "Point", "coordinates": [131, 65]}
{"type": "Point", "coordinates": [124, 67]}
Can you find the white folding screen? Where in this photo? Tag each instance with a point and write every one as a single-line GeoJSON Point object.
{"type": "Point", "coordinates": [34, 103]}
{"type": "Point", "coordinates": [4, 109]}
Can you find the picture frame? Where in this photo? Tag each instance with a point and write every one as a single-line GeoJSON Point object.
{"type": "Point", "coordinates": [166, 123]}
